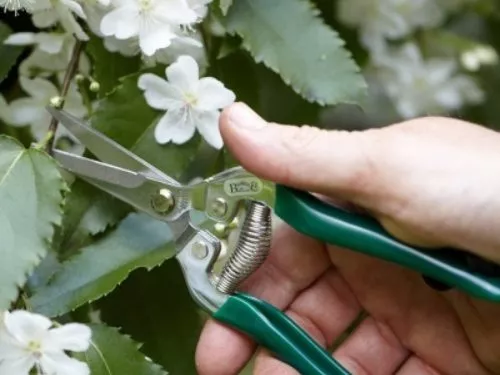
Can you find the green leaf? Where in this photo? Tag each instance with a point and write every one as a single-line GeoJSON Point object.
{"type": "Point", "coordinates": [43, 272]}
{"type": "Point", "coordinates": [289, 38]}
{"type": "Point", "coordinates": [279, 103]}
{"type": "Point", "coordinates": [166, 320]}
{"type": "Point", "coordinates": [112, 353]}
{"type": "Point", "coordinates": [88, 211]}
{"type": "Point", "coordinates": [109, 67]}
{"type": "Point", "coordinates": [9, 54]}
{"type": "Point", "coordinates": [30, 206]}
{"type": "Point", "coordinates": [225, 5]}
{"type": "Point", "coordinates": [125, 117]}
{"type": "Point", "coordinates": [139, 241]}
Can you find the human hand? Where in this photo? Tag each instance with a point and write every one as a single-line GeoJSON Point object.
{"type": "Point", "coordinates": [431, 182]}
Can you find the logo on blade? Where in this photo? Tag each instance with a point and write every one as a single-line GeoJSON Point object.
{"type": "Point", "coordinates": [243, 186]}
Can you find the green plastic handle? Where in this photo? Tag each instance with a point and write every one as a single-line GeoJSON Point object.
{"type": "Point", "coordinates": [310, 216]}
{"type": "Point", "coordinates": [275, 331]}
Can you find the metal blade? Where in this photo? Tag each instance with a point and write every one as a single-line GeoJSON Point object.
{"type": "Point", "coordinates": [105, 148]}
{"type": "Point", "coordinates": [134, 188]}
{"type": "Point", "coordinates": [100, 171]}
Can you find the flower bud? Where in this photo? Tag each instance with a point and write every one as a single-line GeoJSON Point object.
{"type": "Point", "coordinates": [57, 102]}
{"type": "Point", "coordinates": [95, 86]}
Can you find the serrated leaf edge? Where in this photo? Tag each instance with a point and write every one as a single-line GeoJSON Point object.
{"type": "Point", "coordinates": [126, 337]}
{"type": "Point", "coordinates": [316, 14]}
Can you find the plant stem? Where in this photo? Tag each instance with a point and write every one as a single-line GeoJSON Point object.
{"type": "Point", "coordinates": [70, 72]}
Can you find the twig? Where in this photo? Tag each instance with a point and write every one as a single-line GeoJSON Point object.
{"type": "Point", "coordinates": [70, 72]}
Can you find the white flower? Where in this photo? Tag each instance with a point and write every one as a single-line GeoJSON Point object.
{"type": "Point", "coordinates": [29, 341]}
{"type": "Point", "coordinates": [94, 11]}
{"type": "Point", "coordinates": [47, 13]}
{"type": "Point", "coordinates": [155, 22]}
{"type": "Point", "coordinates": [179, 47]}
{"type": "Point", "coordinates": [199, 7]}
{"type": "Point", "coordinates": [47, 42]}
{"type": "Point", "coordinates": [16, 5]}
{"type": "Point", "coordinates": [191, 103]}
{"type": "Point", "coordinates": [473, 59]}
{"type": "Point", "coordinates": [381, 20]}
{"type": "Point", "coordinates": [126, 47]}
{"type": "Point", "coordinates": [32, 110]}
{"type": "Point", "coordinates": [51, 54]}
{"type": "Point", "coordinates": [421, 87]}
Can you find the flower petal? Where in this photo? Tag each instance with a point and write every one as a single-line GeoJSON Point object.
{"type": "Point", "coordinates": [69, 23]}
{"type": "Point", "coordinates": [25, 326]}
{"type": "Point", "coordinates": [10, 348]}
{"type": "Point", "coordinates": [154, 39]}
{"type": "Point", "coordinates": [24, 111]}
{"type": "Point", "coordinates": [175, 126]}
{"type": "Point", "coordinates": [159, 93]}
{"type": "Point", "coordinates": [175, 12]}
{"type": "Point", "coordinates": [120, 23]}
{"type": "Point", "coordinates": [74, 102]}
{"type": "Point", "coordinates": [72, 336]}
{"type": "Point", "coordinates": [184, 73]}
{"type": "Point", "coordinates": [40, 5]}
{"type": "Point", "coordinates": [60, 364]}
{"type": "Point", "coordinates": [40, 127]}
{"type": "Point", "coordinates": [38, 88]}
{"type": "Point", "coordinates": [207, 123]}
{"type": "Point", "coordinates": [75, 8]}
{"type": "Point", "coordinates": [20, 39]}
{"type": "Point", "coordinates": [50, 42]}
{"type": "Point", "coordinates": [18, 366]}
{"type": "Point", "coordinates": [44, 19]}
{"type": "Point", "coordinates": [213, 95]}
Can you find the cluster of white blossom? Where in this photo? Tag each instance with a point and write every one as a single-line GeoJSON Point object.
{"type": "Point", "coordinates": [30, 342]}
{"type": "Point", "coordinates": [158, 30]}
{"type": "Point", "coordinates": [416, 85]}
{"type": "Point", "coordinates": [131, 26]}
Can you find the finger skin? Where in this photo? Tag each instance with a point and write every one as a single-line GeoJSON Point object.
{"type": "Point", "coordinates": [266, 364]}
{"type": "Point", "coordinates": [294, 156]}
{"type": "Point", "coordinates": [324, 310]}
{"type": "Point", "coordinates": [421, 318]}
{"type": "Point", "coordinates": [431, 181]}
{"type": "Point", "coordinates": [480, 320]}
{"type": "Point", "coordinates": [295, 262]}
{"type": "Point", "coordinates": [373, 349]}
{"type": "Point", "coordinates": [415, 366]}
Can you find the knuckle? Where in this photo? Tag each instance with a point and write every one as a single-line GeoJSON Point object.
{"type": "Point", "coordinates": [355, 365]}
{"type": "Point", "coordinates": [387, 335]}
{"type": "Point", "coordinates": [365, 166]}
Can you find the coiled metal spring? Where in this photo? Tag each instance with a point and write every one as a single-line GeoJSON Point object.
{"type": "Point", "coordinates": [251, 250]}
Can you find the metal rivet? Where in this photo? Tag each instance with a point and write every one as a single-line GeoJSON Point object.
{"type": "Point", "coordinates": [199, 250]}
{"type": "Point", "coordinates": [163, 201]}
{"type": "Point", "coordinates": [221, 230]}
{"type": "Point", "coordinates": [219, 207]}
{"type": "Point", "coordinates": [234, 224]}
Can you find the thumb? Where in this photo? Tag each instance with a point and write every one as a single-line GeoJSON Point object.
{"type": "Point", "coordinates": [307, 158]}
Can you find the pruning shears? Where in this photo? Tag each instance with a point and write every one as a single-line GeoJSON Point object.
{"type": "Point", "coordinates": [213, 280]}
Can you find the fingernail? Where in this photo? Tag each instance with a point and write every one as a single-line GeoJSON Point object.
{"type": "Point", "coordinates": [242, 116]}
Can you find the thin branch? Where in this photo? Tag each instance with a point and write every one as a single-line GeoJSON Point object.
{"type": "Point", "coordinates": [70, 73]}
